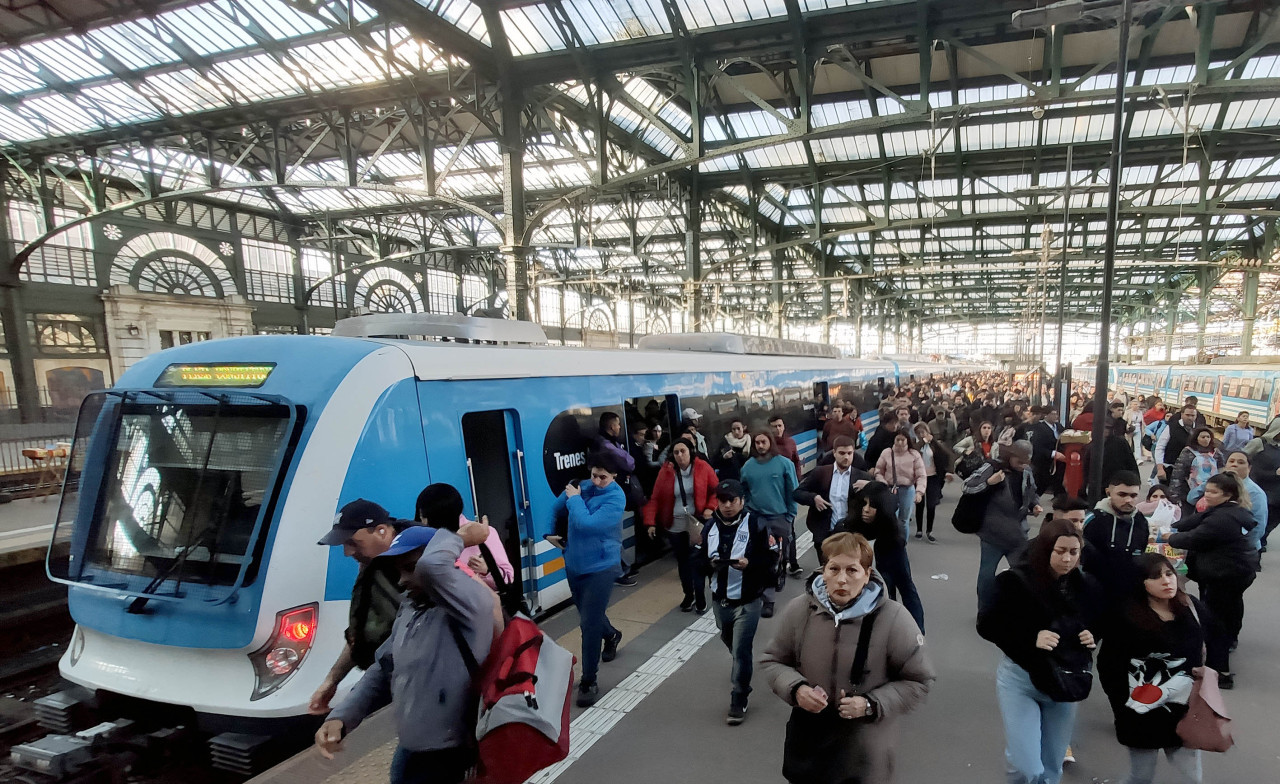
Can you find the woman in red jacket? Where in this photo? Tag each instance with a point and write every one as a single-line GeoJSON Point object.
{"type": "Point", "coordinates": [684, 495]}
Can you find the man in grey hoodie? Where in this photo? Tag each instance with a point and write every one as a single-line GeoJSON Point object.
{"type": "Point", "coordinates": [420, 668]}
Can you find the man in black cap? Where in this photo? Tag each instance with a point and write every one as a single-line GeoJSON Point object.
{"type": "Point", "coordinates": [365, 531]}
{"type": "Point", "coordinates": [739, 555]}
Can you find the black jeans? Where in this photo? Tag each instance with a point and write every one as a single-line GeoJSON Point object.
{"type": "Point", "coordinates": [446, 766]}
{"type": "Point", "coordinates": [691, 579]}
{"type": "Point", "coordinates": [932, 497]}
{"type": "Point", "coordinates": [1224, 598]}
{"type": "Point", "coordinates": [895, 568]}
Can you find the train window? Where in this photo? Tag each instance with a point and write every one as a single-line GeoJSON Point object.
{"type": "Point", "coordinates": [184, 490]}
{"type": "Point", "coordinates": [718, 412]}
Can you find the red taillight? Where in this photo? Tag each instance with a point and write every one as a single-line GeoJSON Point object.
{"type": "Point", "coordinates": [298, 625]}
{"type": "Point", "coordinates": [283, 654]}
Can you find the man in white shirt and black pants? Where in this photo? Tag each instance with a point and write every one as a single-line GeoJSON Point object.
{"type": "Point", "coordinates": [738, 554]}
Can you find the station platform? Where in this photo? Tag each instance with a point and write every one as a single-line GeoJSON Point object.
{"type": "Point", "coordinates": [662, 718]}
{"type": "Point", "coordinates": [25, 527]}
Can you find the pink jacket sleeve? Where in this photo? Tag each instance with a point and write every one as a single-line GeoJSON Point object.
{"type": "Point", "coordinates": [883, 470]}
{"type": "Point", "coordinates": [494, 543]}
{"type": "Point", "coordinates": [917, 465]}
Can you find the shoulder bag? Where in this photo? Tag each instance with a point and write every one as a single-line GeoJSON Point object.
{"type": "Point", "coordinates": [970, 509]}
{"type": "Point", "coordinates": [1206, 725]}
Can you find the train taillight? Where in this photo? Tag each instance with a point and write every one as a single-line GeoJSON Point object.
{"type": "Point", "coordinates": [275, 662]}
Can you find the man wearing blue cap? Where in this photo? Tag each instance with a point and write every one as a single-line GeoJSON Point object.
{"type": "Point", "coordinates": [420, 668]}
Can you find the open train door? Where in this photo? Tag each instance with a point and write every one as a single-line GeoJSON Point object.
{"type": "Point", "coordinates": [500, 487]}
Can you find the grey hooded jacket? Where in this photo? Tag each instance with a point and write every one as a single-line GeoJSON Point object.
{"type": "Point", "coordinates": [419, 669]}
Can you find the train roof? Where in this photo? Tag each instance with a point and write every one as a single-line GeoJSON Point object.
{"type": "Point", "coordinates": [437, 361]}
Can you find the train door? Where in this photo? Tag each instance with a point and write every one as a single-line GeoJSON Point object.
{"type": "Point", "coordinates": [822, 404]}
{"type": "Point", "coordinates": [499, 486]}
{"type": "Point", "coordinates": [662, 411]}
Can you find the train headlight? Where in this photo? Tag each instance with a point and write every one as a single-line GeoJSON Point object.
{"type": "Point", "coordinates": [275, 662]}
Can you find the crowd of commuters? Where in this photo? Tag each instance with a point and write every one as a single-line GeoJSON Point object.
{"type": "Point", "coordinates": [1088, 580]}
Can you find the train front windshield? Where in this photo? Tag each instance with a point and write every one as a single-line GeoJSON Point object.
{"type": "Point", "coordinates": [180, 490]}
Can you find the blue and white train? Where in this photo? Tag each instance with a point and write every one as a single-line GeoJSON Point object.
{"type": "Point", "coordinates": [201, 483]}
{"type": "Point", "coordinates": [1222, 391]}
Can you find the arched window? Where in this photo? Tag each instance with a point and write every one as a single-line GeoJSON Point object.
{"type": "Point", "coordinates": [162, 262]}
{"type": "Point", "coordinates": [174, 275]}
{"type": "Point", "coordinates": [387, 290]}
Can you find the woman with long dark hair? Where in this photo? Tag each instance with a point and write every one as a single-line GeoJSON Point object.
{"type": "Point", "coordinates": [1145, 670]}
{"type": "Point", "coordinates": [1200, 459]}
{"type": "Point", "coordinates": [1043, 617]}
{"type": "Point", "coordinates": [872, 515]}
{"type": "Point", "coordinates": [983, 444]}
{"type": "Point", "coordinates": [1222, 560]}
{"type": "Point", "coordinates": [684, 497]}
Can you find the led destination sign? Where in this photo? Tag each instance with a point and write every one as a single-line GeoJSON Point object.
{"type": "Point", "coordinates": [242, 376]}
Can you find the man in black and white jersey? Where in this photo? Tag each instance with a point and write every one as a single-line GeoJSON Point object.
{"type": "Point", "coordinates": [739, 555]}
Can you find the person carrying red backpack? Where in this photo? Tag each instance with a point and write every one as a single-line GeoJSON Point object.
{"type": "Point", "coordinates": [420, 669]}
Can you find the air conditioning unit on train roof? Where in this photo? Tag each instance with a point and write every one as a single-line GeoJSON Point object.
{"type": "Point", "coordinates": [729, 343]}
{"type": "Point", "coordinates": [435, 326]}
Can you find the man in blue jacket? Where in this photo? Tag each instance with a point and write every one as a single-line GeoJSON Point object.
{"type": "Point", "coordinates": [420, 669]}
{"type": "Point", "coordinates": [592, 556]}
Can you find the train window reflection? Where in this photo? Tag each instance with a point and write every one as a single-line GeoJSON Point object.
{"type": "Point", "coordinates": [184, 492]}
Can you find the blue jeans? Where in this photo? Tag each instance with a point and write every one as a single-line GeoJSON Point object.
{"type": "Point", "coordinates": [991, 556]}
{"type": "Point", "coordinates": [1037, 730]}
{"type": "Point", "coordinates": [1142, 765]}
{"type": "Point", "coordinates": [905, 496]}
{"type": "Point", "coordinates": [590, 594]}
{"type": "Point", "coordinates": [446, 766]}
{"type": "Point", "coordinates": [895, 568]}
{"type": "Point", "coordinates": [738, 633]}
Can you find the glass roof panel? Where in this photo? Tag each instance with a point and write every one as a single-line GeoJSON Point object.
{"type": "Point", "coordinates": [531, 30]}
{"type": "Point", "coordinates": [259, 77]}
{"type": "Point", "coordinates": [121, 103]}
{"type": "Point", "coordinates": [61, 115]}
{"type": "Point", "coordinates": [187, 91]}
{"type": "Point", "coordinates": [714, 13]}
{"type": "Point", "coordinates": [70, 58]}
{"type": "Point", "coordinates": [462, 14]}
{"type": "Point", "coordinates": [206, 28]}
{"type": "Point", "coordinates": [606, 21]}
{"type": "Point", "coordinates": [136, 44]}
{"type": "Point", "coordinates": [832, 113]}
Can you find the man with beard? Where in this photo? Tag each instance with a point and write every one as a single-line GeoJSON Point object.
{"type": "Point", "coordinates": [770, 482]}
{"type": "Point", "coordinates": [827, 488]}
{"type": "Point", "coordinates": [365, 531]}
{"type": "Point", "coordinates": [1114, 533]}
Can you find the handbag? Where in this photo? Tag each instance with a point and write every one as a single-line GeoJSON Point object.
{"type": "Point", "coordinates": [1206, 726]}
{"type": "Point", "coordinates": [970, 509]}
{"type": "Point", "coordinates": [968, 464]}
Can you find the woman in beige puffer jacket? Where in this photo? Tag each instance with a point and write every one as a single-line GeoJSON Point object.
{"type": "Point", "coordinates": [843, 725]}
